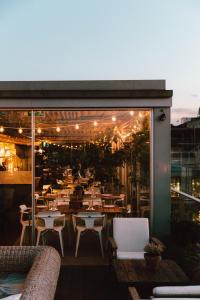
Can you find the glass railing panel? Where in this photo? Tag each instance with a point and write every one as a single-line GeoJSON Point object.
{"type": "Point", "coordinates": [184, 207]}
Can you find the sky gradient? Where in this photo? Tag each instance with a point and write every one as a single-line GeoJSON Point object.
{"type": "Point", "coordinates": [105, 39]}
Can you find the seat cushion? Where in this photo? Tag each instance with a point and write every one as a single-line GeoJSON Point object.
{"type": "Point", "coordinates": [13, 297]}
{"type": "Point", "coordinates": [11, 284]}
{"type": "Point", "coordinates": [175, 298]}
{"type": "Point", "coordinates": [186, 291]}
{"type": "Point", "coordinates": [130, 255]}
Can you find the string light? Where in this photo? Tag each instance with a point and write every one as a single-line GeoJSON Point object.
{"type": "Point", "coordinates": [113, 119]}
{"type": "Point", "coordinates": [1, 129]}
{"type": "Point", "coordinates": [95, 123]}
{"type": "Point", "coordinates": [76, 126]}
{"type": "Point", "coordinates": [58, 129]}
{"type": "Point", "coordinates": [140, 115]}
{"type": "Point", "coordinates": [20, 130]}
{"type": "Point", "coordinates": [39, 130]}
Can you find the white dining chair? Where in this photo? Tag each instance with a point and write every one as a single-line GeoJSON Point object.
{"type": "Point", "coordinates": [49, 223]}
{"type": "Point", "coordinates": [24, 211]}
{"type": "Point", "coordinates": [130, 236]}
{"type": "Point", "coordinates": [89, 220]}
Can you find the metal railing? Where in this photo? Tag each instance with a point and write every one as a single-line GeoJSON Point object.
{"type": "Point", "coordinates": [184, 207]}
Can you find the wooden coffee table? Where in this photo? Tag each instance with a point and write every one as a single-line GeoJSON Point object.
{"type": "Point", "coordinates": [135, 273]}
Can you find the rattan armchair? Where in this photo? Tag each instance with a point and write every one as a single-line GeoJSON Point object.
{"type": "Point", "coordinates": [42, 265]}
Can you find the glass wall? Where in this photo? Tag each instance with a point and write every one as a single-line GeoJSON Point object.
{"type": "Point", "coordinates": [108, 147]}
{"type": "Point", "coordinates": [99, 158]}
{"type": "Point", "coordinates": [15, 174]}
{"type": "Point", "coordinates": [185, 157]}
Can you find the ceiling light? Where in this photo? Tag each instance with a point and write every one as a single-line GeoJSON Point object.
{"type": "Point", "coordinates": [113, 119]}
{"type": "Point", "coordinates": [39, 130]}
{"type": "Point", "coordinates": [76, 126]}
{"type": "Point", "coordinates": [140, 115]}
{"type": "Point", "coordinates": [95, 123]}
{"type": "Point", "coordinates": [58, 129]}
{"type": "Point", "coordinates": [20, 130]}
{"type": "Point", "coordinates": [1, 129]}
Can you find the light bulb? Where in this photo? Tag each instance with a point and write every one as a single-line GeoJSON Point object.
{"type": "Point", "coordinates": [20, 130]}
{"type": "Point", "coordinates": [1, 129]}
{"type": "Point", "coordinates": [58, 129]}
{"type": "Point", "coordinates": [76, 126]}
{"type": "Point", "coordinates": [95, 123]}
{"type": "Point", "coordinates": [113, 119]}
{"type": "Point", "coordinates": [140, 115]}
{"type": "Point", "coordinates": [131, 113]}
{"type": "Point", "coordinates": [39, 130]}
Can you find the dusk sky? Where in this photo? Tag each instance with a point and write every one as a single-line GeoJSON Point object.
{"type": "Point", "coordinates": [105, 39]}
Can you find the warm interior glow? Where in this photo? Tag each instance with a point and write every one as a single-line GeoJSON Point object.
{"type": "Point", "coordinates": [20, 130]}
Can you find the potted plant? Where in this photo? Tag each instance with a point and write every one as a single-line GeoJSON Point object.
{"type": "Point", "coordinates": [152, 255]}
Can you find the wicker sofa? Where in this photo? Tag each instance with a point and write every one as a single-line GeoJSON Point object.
{"type": "Point", "coordinates": [42, 265]}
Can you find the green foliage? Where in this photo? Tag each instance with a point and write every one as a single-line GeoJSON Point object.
{"type": "Point", "coordinates": [153, 248]}
{"type": "Point", "coordinates": [99, 155]}
{"type": "Point", "coordinates": [137, 155]}
{"type": "Point", "coordinates": [186, 232]}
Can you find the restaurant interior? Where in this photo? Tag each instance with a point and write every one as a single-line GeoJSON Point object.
{"type": "Point", "coordinates": [87, 166]}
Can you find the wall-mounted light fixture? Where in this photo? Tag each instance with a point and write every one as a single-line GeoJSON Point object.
{"type": "Point", "coordinates": [162, 116]}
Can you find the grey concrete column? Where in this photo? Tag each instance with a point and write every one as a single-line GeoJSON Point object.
{"type": "Point", "coordinates": [160, 173]}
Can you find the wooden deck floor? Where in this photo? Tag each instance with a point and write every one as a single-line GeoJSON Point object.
{"type": "Point", "coordinates": [86, 283]}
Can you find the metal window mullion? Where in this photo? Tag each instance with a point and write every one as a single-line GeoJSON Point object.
{"type": "Point", "coordinates": [33, 173]}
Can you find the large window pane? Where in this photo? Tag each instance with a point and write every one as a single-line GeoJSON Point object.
{"type": "Point", "coordinates": [15, 174]}
{"type": "Point", "coordinates": [110, 146]}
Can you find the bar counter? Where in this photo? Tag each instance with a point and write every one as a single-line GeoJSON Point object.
{"type": "Point", "coordinates": [17, 177]}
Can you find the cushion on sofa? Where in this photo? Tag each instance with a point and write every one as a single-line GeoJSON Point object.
{"type": "Point", "coordinates": [13, 297]}
{"type": "Point", "coordinates": [178, 291]}
{"type": "Point", "coordinates": [11, 284]}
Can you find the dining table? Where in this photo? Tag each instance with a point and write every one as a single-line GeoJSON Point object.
{"type": "Point", "coordinates": [110, 198]}
{"type": "Point", "coordinates": [64, 208]}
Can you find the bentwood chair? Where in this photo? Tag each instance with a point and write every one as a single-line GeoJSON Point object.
{"type": "Point", "coordinates": [89, 220]}
{"type": "Point", "coordinates": [50, 221]}
{"type": "Point", "coordinates": [24, 220]}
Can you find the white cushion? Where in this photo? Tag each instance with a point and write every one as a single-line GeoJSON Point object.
{"type": "Point", "coordinates": [12, 297]}
{"type": "Point", "coordinates": [190, 290]}
{"type": "Point", "coordinates": [175, 298]}
{"type": "Point", "coordinates": [130, 255]}
{"type": "Point", "coordinates": [131, 234]}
